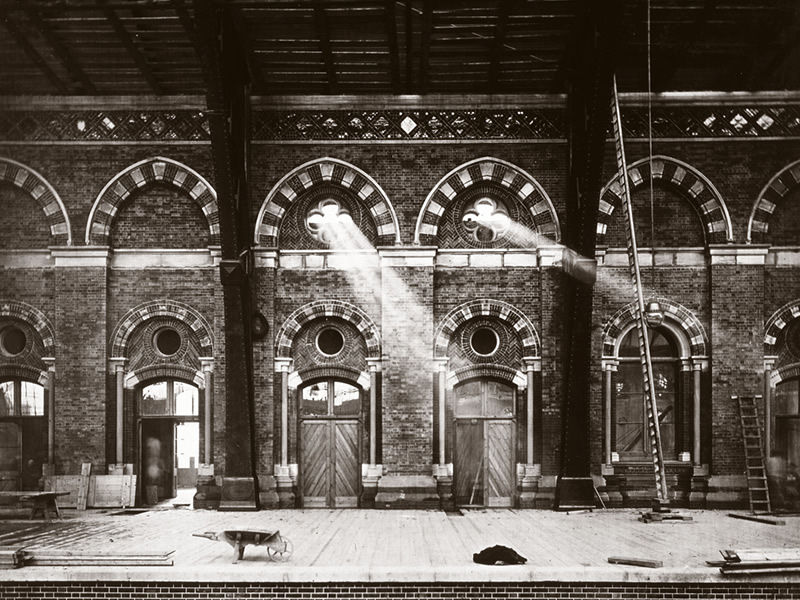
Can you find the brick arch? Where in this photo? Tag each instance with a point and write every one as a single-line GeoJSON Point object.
{"type": "Point", "coordinates": [486, 308]}
{"type": "Point", "coordinates": [325, 170]}
{"type": "Point", "coordinates": [33, 317]}
{"type": "Point", "coordinates": [340, 372]}
{"type": "Point", "coordinates": [784, 373]}
{"type": "Point", "coordinates": [138, 376]}
{"type": "Point", "coordinates": [511, 376]}
{"type": "Point", "coordinates": [25, 372]}
{"type": "Point", "coordinates": [36, 186]}
{"type": "Point", "coordinates": [696, 187]}
{"type": "Point", "coordinates": [522, 184]}
{"type": "Point", "coordinates": [776, 323]}
{"type": "Point", "coordinates": [138, 176]}
{"type": "Point", "coordinates": [777, 188]}
{"type": "Point", "coordinates": [161, 308]}
{"type": "Point", "coordinates": [678, 319]}
{"type": "Point", "coordinates": [285, 336]}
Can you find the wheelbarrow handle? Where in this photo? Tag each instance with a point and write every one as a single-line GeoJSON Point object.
{"type": "Point", "coordinates": [208, 534]}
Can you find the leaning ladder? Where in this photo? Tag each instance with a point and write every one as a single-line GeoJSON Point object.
{"type": "Point", "coordinates": [757, 488]}
{"type": "Point", "coordinates": [654, 434]}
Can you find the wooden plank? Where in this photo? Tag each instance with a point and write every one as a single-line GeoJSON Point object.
{"type": "Point", "coordinates": [83, 486]}
{"type": "Point", "coordinates": [636, 562]}
{"type": "Point", "coordinates": [759, 519]}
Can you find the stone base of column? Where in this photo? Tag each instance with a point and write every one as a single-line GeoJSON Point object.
{"type": "Point", "coordinates": [407, 491]}
{"type": "Point", "coordinates": [444, 486]}
{"type": "Point", "coordinates": [529, 475]}
{"type": "Point", "coordinates": [285, 485]}
{"type": "Point", "coordinates": [699, 489]}
{"type": "Point", "coordinates": [268, 492]}
{"type": "Point", "coordinates": [370, 476]}
{"type": "Point", "coordinates": [238, 493]}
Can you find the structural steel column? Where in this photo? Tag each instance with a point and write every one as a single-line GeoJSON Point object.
{"type": "Point", "coordinates": [590, 79]}
{"type": "Point", "coordinates": [227, 99]}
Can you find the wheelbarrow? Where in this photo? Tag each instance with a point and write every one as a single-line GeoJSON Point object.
{"type": "Point", "coordinates": [278, 547]}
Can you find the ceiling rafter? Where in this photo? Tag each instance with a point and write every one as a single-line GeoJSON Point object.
{"type": "Point", "coordinates": [324, 34]}
{"type": "Point", "coordinates": [60, 50]}
{"type": "Point", "coordinates": [498, 43]}
{"type": "Point", "coordinates": [32, 53]}
{"type": "Point", "coordinates": [130, 46]}
{"type": "Point", "coordinates": [390, 20]}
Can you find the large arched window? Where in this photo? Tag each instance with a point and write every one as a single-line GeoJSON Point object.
{"type": "Point", "coordinates": [23, 434]}
{"type": "Point", "coordinates": [631, 437]}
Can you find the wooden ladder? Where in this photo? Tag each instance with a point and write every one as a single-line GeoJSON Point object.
{"type": "Point", "coordinates": [757, 487]}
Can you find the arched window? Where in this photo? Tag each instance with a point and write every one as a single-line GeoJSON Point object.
{"type": "Point", "coordinates": [168, 398]}
{"type": "Point", "coordinates": [631, 440]}
{"type": "Point", "coordinates": [23, 434]}
{"type": "Point", "coordinates": [784, 464]}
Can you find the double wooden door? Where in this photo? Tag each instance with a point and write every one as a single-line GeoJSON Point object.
{"type": "Point", "coordinates": [484, 462]}
{"type": "Point", "coordinates": [330, 469]}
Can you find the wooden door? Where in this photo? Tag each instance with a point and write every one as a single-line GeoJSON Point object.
{"type": "Point", "coordinates": [330, 464]}
{"type": "Point", "coordinates": [158, 456]}
{"type": "Point", "coordinates": [500, 461]}
{"type": "Point", "coordinates": [468, 462]}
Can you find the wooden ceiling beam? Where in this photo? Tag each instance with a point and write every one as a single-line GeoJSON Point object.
{"type": "Point", "coordinates": [133, 51]}
{"type": "Point", "coordinates": [390, 25]}
{"type": "Point", "coordinates": [425, 46]}
{"type": "Point", "coordinates": [498, 42]}
{"type": "Point", "coordinates": [60, 50]}
{"type": "Point", "coordinates": [324, 36]}
{"type": "Point", "coordinates": [32, 53]}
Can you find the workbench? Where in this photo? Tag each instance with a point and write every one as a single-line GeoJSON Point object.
{"type": "Point", "coordinates": [43, 502]}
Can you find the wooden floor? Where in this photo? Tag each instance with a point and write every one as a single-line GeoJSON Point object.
{"type": "Point", "coordinates": [381, 545]}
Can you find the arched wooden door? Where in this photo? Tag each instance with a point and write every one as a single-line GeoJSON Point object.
{"type": "Point", "coordinates": [330, 434]}
{"type": "Point", "coordinates": [485, 430]}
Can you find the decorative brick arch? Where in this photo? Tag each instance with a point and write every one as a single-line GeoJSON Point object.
{"type": "Point", "coordinates": [161, 308]}
{"type": "Point", "coordinates": [327, 308]}
{"type": "Point", "coordinates": [334, 171]}
{"type": "Point", "coordinates": [502, 173]}
{"type": "Point", "coordinates": [486, 308]}
{"type": "Point", "coordinates": [40, 190]}
{"type": "Point", "coordinates": [776, 323]}
{"type": "Point", "coordinates": [134, 378]}
{"type": "Point", "coordinates": [776, 189]}
{"type": "Point", "coordinates": [698, 190]}
{"type": "Point", "coordinates": [343, 373]}
{"type": "Point", "coordinates": [138, 176]}
{"type": "Point", "coordinates": [507, 374]}
{"type": "Point", "coordinates": [683, 323]}
{"type": "Point", "coordinates": [33, 317]}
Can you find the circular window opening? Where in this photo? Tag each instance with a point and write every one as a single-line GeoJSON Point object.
{"type": "Point", "coordinates": [330, 341]}
{"type": "Point", "coordinates": [167, 341]}
{"type": "Point", "coordinates": [484, 341]}
{"type": "Point", "coordinates": [13, 340]}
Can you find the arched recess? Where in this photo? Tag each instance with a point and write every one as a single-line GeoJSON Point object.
{"type": "Point", "coordinates": [777, 323]}
{"type": "Point", "coordinates": [34, 318]}
{"type": "Point", "coordinates": [486, 308]}
{"type": "Point", "coordinates": [786, 180]}
{"type": "Point", "coordinates": [527, 190]}
{"type": "Point", "coordinates": [39, 189]}
{"type": "Point", "coordinates": [161, 308]}
{"type": "Point", "coordinates": [693, 185]}
{"type": "Point", "coordinates": [138, 176]}
{"type": "Point", "coordinates": [327, 308]}
{"type": "Point", "coordinates": [334, 171]}
{"type": "Point", "coordinates": [689, 332]}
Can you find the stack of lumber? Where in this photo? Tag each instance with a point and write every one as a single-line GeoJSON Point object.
{"type": "Point", "coordinates": [12, 558]}
{"type": "Point", "coordinates": [759, 561]}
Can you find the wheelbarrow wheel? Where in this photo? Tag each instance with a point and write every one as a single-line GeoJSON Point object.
{"type": "Point", "coordinates": [281, 551]}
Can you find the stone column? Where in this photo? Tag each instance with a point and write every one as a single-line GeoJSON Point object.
{"type": "Point", "coordinates": [530, 472]}
{"type": "Point", "coordinates": [443, 471]}
{"type": "Point", "coordinates": [50, 467]}
{"type": "Point", "coordinates": [207, 364]}
{"type": "Point", "coordinates": [283, 477]}
{"type": "Point", "coordinates": [610, 491]}
{"type": "Point", "coordinates": [117, 366]}
{"type": "Point", "coordinates": [371, 473]}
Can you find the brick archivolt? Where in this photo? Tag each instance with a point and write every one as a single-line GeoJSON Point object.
{"type": "Point", "coordinates": [687, 329]}
{"type": "Point", "coordinates": [32, 317]}
{"type": "Point", "coordinates": [321, 309]}
{"type": "Point", "coordinates": [137, 177]}
{"type": "Point", "coordinates": [786, 180]}
{"type": "Point", "coordinates": [334, 172]}
{"type": "Point", "coordinates": [486, 307]}
{"type": "Point", "coordinates": [778, 323]}
{"type": "Point", "coordinates": [32, 183]}
{"type": "Point", "coordinates": [518, 182]}
{"type": "Point", "coordinates": [692, 184]}
{"type": "Point", "coordinates": [161, 309]}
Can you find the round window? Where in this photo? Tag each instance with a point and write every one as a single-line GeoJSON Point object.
{"type": "Point", "coordinates": [330, 341]}
{"type": "Point", "coordinates": [484, 341]}
{"type": "Point", "coordinates": [13, 340]}
{"type": "Point", "coordinates": [167, 341]}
